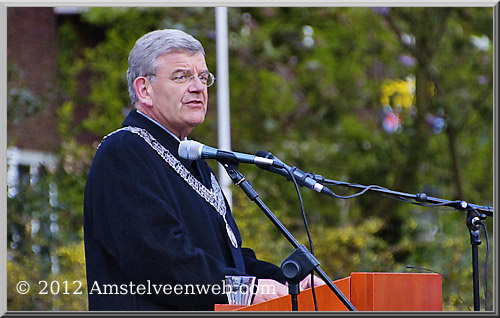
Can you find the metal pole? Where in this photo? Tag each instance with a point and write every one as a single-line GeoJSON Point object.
{"type": "Point", "coordinates": [223, 118]}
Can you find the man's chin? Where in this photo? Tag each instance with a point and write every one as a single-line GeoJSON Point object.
{"type": "Point", "coordinates": [196, 121]}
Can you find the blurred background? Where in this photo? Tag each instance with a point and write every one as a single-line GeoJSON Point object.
{"type": "Point", "coordinates": [397, 97]}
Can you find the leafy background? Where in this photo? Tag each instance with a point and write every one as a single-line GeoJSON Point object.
{"type": "Point", "coordinates": [398, 97]}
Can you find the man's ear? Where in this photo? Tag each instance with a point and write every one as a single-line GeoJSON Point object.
{"type": "Point", "coordinates": [144, 90]}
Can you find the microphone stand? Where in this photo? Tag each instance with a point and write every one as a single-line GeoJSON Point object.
{"type": "Point", "coordinates": [476, 215]}
{"type": "Point", "coordinates": [299, 262]}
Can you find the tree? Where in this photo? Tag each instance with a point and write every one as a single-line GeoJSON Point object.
{"type": "Point", "coordinates": [315, 86]}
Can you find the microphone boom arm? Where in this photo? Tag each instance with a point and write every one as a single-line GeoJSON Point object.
{"type": "Point", "coordinates": [420, 197]}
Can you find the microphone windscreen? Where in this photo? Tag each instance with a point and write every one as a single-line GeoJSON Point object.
{"type": "Point", "coordinates": [264, 154]}
{"type": "Point", "coordinates": [190, 149]}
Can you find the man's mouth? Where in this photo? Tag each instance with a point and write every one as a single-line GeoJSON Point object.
{"type": "Point", "coordinates": [194, 102]}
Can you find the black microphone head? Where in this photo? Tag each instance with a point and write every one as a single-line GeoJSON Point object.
{"type": "Point", "coordinates": [190, 149]}
{"type": "Point", "coordinates": [264, 154]}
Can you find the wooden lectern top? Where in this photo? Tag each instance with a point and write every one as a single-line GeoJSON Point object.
{"type": "Point", "coordinates": [367, 292]}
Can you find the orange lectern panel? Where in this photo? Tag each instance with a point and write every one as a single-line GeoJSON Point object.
{"type": "Point", "coordinates": [396, 292]}
{"type": "Point", "coordinates": [367, 292]}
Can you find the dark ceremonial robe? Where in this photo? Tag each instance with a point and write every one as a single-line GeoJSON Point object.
{"type": "Point", "coordinates": [145, 225]}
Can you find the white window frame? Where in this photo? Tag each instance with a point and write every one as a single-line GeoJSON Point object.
{"type": "Point", "coordinates": [26, 157]}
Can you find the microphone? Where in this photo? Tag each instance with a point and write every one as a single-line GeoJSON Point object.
{"type": "Point", "coordinates": [193, 150]}
{"type": "Point", "coordinates": [303, 178]}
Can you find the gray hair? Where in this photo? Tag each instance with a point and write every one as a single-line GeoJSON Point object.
{"type": "Point", "coordinates": [142, 58]}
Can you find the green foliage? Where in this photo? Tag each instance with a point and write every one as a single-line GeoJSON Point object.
{"type": "Point", "coordinates": [21, 101]}
{"type": "Point", "coordinates": [307, 85]}
{"type": "Point", "coordinates": [46, 241]}
{"type": "Point", "coordinates": [61, 291]}
{"type": "Point", "coordinates": [45, 234]}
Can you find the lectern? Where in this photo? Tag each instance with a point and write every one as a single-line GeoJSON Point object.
{"type": "Point", "coordinates": [367, 292]}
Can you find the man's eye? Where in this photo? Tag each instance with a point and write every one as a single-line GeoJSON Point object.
{"type": "Point", "coordinates": [203, 77]}
{"type": "Point", "coordinates": [180, 77]}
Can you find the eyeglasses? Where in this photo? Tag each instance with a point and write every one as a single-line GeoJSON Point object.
{"type": "Point", "coordinates": [207, 79]}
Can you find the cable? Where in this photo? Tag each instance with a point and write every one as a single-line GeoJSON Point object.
{"type": "Point", "coordinates": [430, 270]}
{"type": "Point", "coordinates": [366, 188]}
{"type": "Point", "coordinates": [307, 230]}
{"type": "Point", "coordinates": [356, 194]}
{"type": "Point", "coordinates": [431, 205]}
{"type": "Point", "coordinates": [485, 259]}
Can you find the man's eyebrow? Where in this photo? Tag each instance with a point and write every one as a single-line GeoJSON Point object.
{"type": "Point", "coordinates": [180, 70]}
{"type": "Point", "coordinates": [184, 70]}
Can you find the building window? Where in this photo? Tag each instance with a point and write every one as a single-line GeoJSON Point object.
{"type": "Point", "coordinates": [23, 165]}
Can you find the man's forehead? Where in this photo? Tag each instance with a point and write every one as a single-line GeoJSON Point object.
{"type": "Point", "coordinates": [181, 59]}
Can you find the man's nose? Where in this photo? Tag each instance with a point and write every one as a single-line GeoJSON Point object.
{"type": "Point", "coordinates": [195, 85]}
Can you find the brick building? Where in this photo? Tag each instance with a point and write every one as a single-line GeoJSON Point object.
{"type": "Point", "coordinates": [32, 53]}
